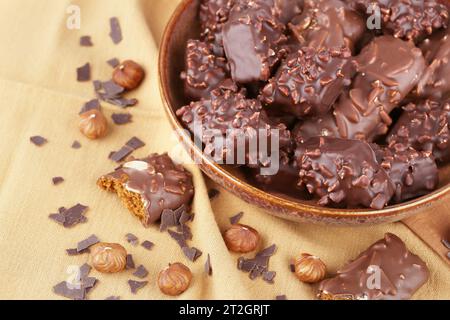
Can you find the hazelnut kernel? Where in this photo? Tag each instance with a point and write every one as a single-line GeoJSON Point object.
{"type": "Point", "coordinates": [310, 269]}
{"type": "Point", "coordinates": [108, 257]}
{"type": "Point", "coordinates": [175, 279]}
{"type": "Point", "coordinates": [241, 238]}
{"type": "Point", "coordinates": [93, 124]}
{"type": "Point", "coordinates": [128, 75]}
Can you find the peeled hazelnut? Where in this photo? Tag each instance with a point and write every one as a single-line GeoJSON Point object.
{"type": "Point", "coordinates": [241, 239]}
{"type": "Point", "coordinates": [175, 279]}
{"type": "Point", "coordinates": [310, 269]}
{"type": "Point", "coordinates": [128, 75]}
{"type": "Point", "coordinates": [108, 257]}
{"type": "Point", "coordinates": [93, 124]}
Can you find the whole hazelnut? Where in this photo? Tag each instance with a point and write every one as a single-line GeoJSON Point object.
{"type": "Point", "coordinates": [108, 257]}
{"type": "Point", "coordinates": [128, 75]}
{"type": "Point", "coordinates": [310, 269]}
{"type": "Point", "coordinates": [93, 124]}
{"type": "Point", "coordinates": [175, 279]}
{"type": "Point", "coordinates": [241, 238]}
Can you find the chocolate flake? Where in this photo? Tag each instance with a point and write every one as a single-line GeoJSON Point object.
{"type": "Point", "coordinates": [135, 286]}
{"type": "Point", "coordinates": [213, 193]}
{"type": "Point", "coordinates": [116, 31]}
{"type": "Point", "coordinates": [281, 297]}
{"type": "Point", "coordinates": [90, 105]}
{"type": "Point", "coordinates": [258, 266]}
{"type": "Point", "coordinates": [84, 73]}
{"type": "Point", "coordinates": [112, 298]}
{"type": "Point", "coordinates": [235, 219]}
{"type": "Point", "coordinates": [114, 62]}
{"type": "Point", "coordinates": [130, 262]}
{"type": "Point", "coordinates": [446, 243]}
{"type": "Point", "coordinates": [77, 291]}
{"type": "Point", "coordinates": [141, 272]}
{"type": "Point", "coordinates": [179, 238]}
{"type": "Point", "coordinates": [70, 217]}
{"type": "Point", "coordinates": [121, 118]}
{"type": "Point", "coordinates": [87, 243]}
{"type": "Point", "coordinates": [208, 267]}
{"type": "Point", "coordinates": [38, 140]}
{"type": "Point", "coordinates": [120, 155]}
{"type": "Point", "coordinates": [147, 245]}
{"type": "Point", "coordinates": [86, 41]}
{"type": "Point", "coordinates": [132, 239]}
{"type": "Point", "coordinates": [112, 93]}
{"type": "Point", "coordinates": [76, 145]}
{"type": "Point", "coordinates": [57, 180]}
{"type": "Point", "coordinates": [74, 252]}
{"type": "Point", "coordinates": [192, 253]}
{"type": "Point", "coordinates": [135, 143]}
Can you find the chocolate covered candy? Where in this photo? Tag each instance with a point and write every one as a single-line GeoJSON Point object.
{"type": "Point", "coordinates": [413, 173]}
{"type": "Point", "coordinates": [343, 173]}
{"type": "Point", "coordinates": [387, 270]}
{"type": "Point", "coordinates": [407, 19]}
{"type": "Point", "coordinates": [328, 23]}
{"type": "Point", "coordinates": [150, 185]}
{"type": "Point", "coordinates": [204, 71]}
{"type": "Point", "coordinates": [229, 114]}
{"type": "Point", "coordinates": [382, 82]}
{"type": "Point", "coordinates": [252, 38]}
{"type": "Point", "coordinates": [425, 127]}
{"type": "Point", "coordinates": [309, 81]}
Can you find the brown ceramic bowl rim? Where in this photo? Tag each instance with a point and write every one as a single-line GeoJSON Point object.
{"type": "Point", "coordinates": [292, 205]}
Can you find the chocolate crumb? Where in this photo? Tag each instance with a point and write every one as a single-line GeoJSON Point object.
{"type": "Point", "coordinates": [281, 297]}
{"type": "Point", "coordinates": [86, 41]}
{"type": "Point", "coordinates": [213, 193]}
{"type": "Point", "coordinates": [130, 262]}
{"type": "Point", "coordinates": [192, 253]}
{"type": "Point", "coordinates": [90, 105]}
{"type": "Point", "coordinates": [38, 140]}
{"type": "Point", "coordinates": [114, 62]}
{"type": "Point", "coordinates": [116, 31]}
{"type": "Point", "coordinates": [84, 73]}
{"type": "Point", "coordinates": [57, 180]}
{"type": "Point", "coordinates": [135, 286]}
{"type": "Point", "coordinates": [208, 267]}
{"type": "Point", "coordinates": [112, 298]}
{"type": "Point", "coordinates": [132, 239]}
{"type": "Point", "coordinates": [235, 219]}
{"type": "Point", "coordinates": [141, 272]}
{"type": "Point", "coordinates": [121, 118]}
{"type": "Point", "coordinates": [87, 243]}
{"type": "Point", "coordinates": [76, 145]}
{"type": "Point", "coordinates": [147, 245]}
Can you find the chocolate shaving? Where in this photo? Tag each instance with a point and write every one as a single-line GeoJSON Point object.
{"type": "Point", "coordinates": [235, 219]}
{"type": "Point", "coordinates": [38, 140]}
{"type": "Point", "coordinates": [132, 145]}
{"type": "Point", "coordinates": [57, 180]}
{"type": "Point", "coordinates": [84, 73]}
{"type": "Point", "coordinates": [213, 193]}
{"type": "Point", "coordinates": [87, 243]}
{"type": "Point", "coordinates": [114, 62]}
{"type": "Point", "coordinates": [112, 298]}
{"type": "Point", "coordinates": [74, 252]}
{"type": "Point", "coordinates": [86, 41]}
{"type": "Point", "coordinates": [186, 231]}
{"type": "Point", "coordinates": [116, 31]}
{"type": "Point", "coordinates": [135, 286]}
{"type": "Point", "coordinates": [258, 266]}
{"type": "Point", "coordinates": [90, 105]}
{"type": "Point", "coordinates": [208, 267]}
{"type": "Point", "coordinates": [147, 245]}
{"type": "Point", "coordinates": [112, 93]}
{"type": "Point", "coordinates": [112, 89]}
{"type": "Point", "coordinates": [132, 239]}
{"type": "Point", "coordinates": [77, 291]}
{"type": "Point", "coordinates": [281, 297]}
{"type": "Point", "coordinates": [135, 143]}
{"type": "Point", "coordinates": [121, 118]}
{"type": "Point", "coordinates": [130, 262]}
{"type": "Point", "coordinates": [140, 272]}
{"type": "Point", "coordinates": [179, 238]}
{"type": "Point", "coordinates": [192, 253]}
{"type": "Point", "coordinates": [446, 243]}
{"type": "Point", "coordinates": [76, 145]}
{"type": "Point", "coordinates": [70, 217]}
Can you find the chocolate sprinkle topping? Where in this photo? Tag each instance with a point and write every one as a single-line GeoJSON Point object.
{"type": "Point", "coordinates": [114, 62]}
{"type": "Point", "coordinates": [87, 243]}
{"type": "Point", "coordinates": [57, 180]}
{"type": "Point", "coordinates": [84, 73]}
{"type": "Point", "coordinates": [147, 245]}
{"type": "Point", "coordinates": [135, 286]}
{"type": "Point", "coordinates": [38, 140]}
{"type": "Point", "coordinates": [116, 31]}
{"type": "Point", "coordinates": [208, 268]}
{"type": "Point", "coordinates": [130, 262]}
{"type": "Point", "coordinates": [141, 272]}
{"type": "Point", "coordinates": [121, 118]}
{"type": "Point", "coordinates": [86, 41]}
{"type": "Point", "coordinates": [235, 219]}
{"type": "Point", "coordinates": [70, 217]}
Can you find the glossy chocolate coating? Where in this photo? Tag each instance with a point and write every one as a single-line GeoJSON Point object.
{"type": "Point", "coordinates": [425, 127]}
{"type": "Point", "coordinates": [402, 274]}
{"type": "Point", "coordinates": [414, 173]}
{"type": "Point", "coordinates": [204, 71]}
{"type": "Point", "coordinates": [252, 38]}
{"type": "Point", "coordinates": [343, 173]}
{"type": "Point", "coordinates": [408, 19]}
{"type": "Point", "coordinates": [161, 183]}
{"type": "Point", "coordinates": [309, 81]}
{"type": "Point", "coordinates": [327, 24]}
{"type": "Point", "coordinates": [382, 82]}
{"type": "Point", "coordinates": [229, 111]}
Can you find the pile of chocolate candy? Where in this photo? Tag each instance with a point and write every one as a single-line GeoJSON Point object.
{"type": "Point", "coordinates": [362, 112]}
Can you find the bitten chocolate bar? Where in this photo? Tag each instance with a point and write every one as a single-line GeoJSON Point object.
{"type": "Point", "coordinates": [385, 271]}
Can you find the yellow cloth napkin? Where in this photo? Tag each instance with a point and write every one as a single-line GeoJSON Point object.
{"type": "Point", "coordinates": [40, 96]}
